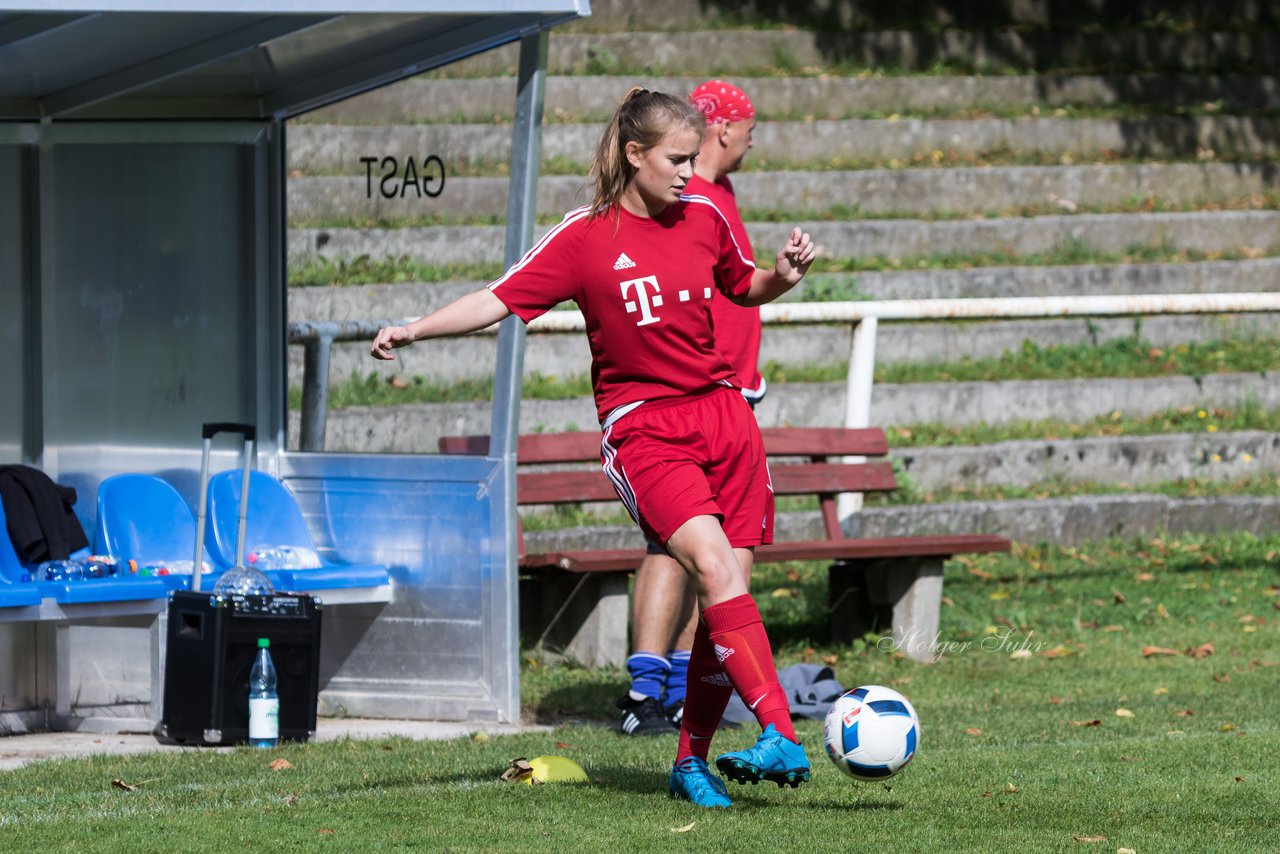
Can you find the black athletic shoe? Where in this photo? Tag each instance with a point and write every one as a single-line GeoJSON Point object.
{"type": "Point", "coordinates": [643, 717]}
{"type": "Point", "coordinates": [675, 713]}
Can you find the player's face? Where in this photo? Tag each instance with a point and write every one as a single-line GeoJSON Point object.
{"type": "Point", "coordinates": [737, 141]}
{"type": "Point", "coordinates": [663, 171]}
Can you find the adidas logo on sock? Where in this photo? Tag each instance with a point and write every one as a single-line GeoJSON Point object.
{"type": "Point", "coordinates": [719, 679]}
{"type": "Point", "coordinates": [623, 262]}
{"type": "Point", "coordinates": [723, 652]}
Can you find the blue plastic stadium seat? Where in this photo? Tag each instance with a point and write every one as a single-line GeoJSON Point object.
{"type": "Point", "coordinates": [66, 592]}
{"type": "Point", "coordinates": [144, 519]}
{"type": "Point", "coordinates": [274, 519]}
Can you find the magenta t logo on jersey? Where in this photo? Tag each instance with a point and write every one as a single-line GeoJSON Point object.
{"type": "Point", "coordinates": [644, 302]}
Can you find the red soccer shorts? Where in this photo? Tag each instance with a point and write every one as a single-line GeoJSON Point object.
{"type": "Point", "coordinates": [677, 458]}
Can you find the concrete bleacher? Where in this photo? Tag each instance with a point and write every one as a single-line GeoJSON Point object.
{"type": "Point", "coordinates": [987, 131]}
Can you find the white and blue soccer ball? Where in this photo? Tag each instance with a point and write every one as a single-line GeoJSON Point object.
{"type": "Point", "coordinates": [871, 732]}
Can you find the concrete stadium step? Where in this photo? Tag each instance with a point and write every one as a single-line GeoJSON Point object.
{"type": "Point", "coordinates": [364, 302]}
{"type": "Point", "coordinates": [627, 15]}
{"type": "Point", "coordinates": [414, 428]}
{"type": "Point", "coordinates": [474, 357]}
{"type": "Point", "coordinates": [580, 98]}
{"type": "Point", "coordinates": [888, 238]}
{"type": "Point", "coordinates": [961, 190]}
{"type": "Point", "coordinates": [1133, 460]}
{"type": "Point", "coordinates": [746, 51]}
{"type": "Point", "coordinates": [338, 149]}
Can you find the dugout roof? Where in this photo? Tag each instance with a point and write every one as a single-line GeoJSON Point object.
{"type": "Point", "coordinates": [239, 59]}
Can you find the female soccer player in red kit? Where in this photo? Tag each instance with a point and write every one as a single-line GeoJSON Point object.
{"type": "Point", "coordinates": [679, 442]}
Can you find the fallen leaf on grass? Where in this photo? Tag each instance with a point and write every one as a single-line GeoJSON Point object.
{"type": "Point", "coordinates": [1094, 722]}
{"type": "Point", "coordinates": [1202, 651]}
{"type": "Point", "coordinates": [1057, 652]}
{"type": "Point", "coordinates": [1185, 713]}
{"type": "Point", "coordinates": [1239, 779]}
{"type": "Point", "coordinates": [1160, 691]}
{"type": "Point", "coordinates": [1227, 728]}
{"type": "Point", "coordinates": [1223, 678]}
{"type": "Point", "coordinates": [1113, 628]}
{"type": "Point", "coordinates": [388, 748]}
{"type": "Point", "coordinates": [1148, 651]}
{"type": "Point", "coordinates": [999, 594]}
{"type": "Point", "coordinates": [324, 831]}
{"type": "Point", "coordinates": [830, 660]}
{"type": "Point", "coordinates": [398, 382]}
{"type": "Point", "coordinates": [1125, 713]}
{"type": "Point", "coordinates": [972, 730]}
{"type": "Point", "coordinates": [1145, 576]}
{"type": "Point", "coordinates": [128, 787]}
{"type": "Point", "coordinates": [1258, 662]}
{"type": "Point", "coordinates": [980, 574]}
{"type": "Point", "coordinates": [1089, 838]}
{"type": "Point", "coordinates": [480, 737]}
{"type": "Point", "coordinates": [1118, 597]}
{"type": "Point", "coordinates": [986, 794]}
{"type": "Point", "coordinates": [562, 746]}
{"type": "Point", "coordinates": [1162, 612]}
{"type": "Point", "coordinates": [1125, 851]}
{"type": "Point", "coordinates": [948, 601]}
{"type": "Point", "coordinates": [1011, 789]}
{"type": "Point", "coordinates": [688, 827]}
{"type": "Point", "coordinates": [1055, 701]}
{"type": "Point", "coordinates": [1020, 654]}
{"type": "Point", "coordinates": [280, 764]}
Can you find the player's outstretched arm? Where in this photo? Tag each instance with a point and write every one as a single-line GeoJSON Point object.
{"type": "Point", "coordinates": [469, 313]}
{"type": "Point", "coordinates": [789, 268]}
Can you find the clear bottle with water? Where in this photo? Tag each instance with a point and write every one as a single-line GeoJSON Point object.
{"type": "Point", "coordinates": [61, 570]}
{"type": "Point", "coordinates": [264, 702]}
{"type": "Point", "coordinates": [282, 557]}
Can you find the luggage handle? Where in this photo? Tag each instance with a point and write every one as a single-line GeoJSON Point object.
{"type": "Point", "coordinates": [208, 431]}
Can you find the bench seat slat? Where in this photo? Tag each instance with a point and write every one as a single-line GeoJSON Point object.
{"type": "Point", "coordinates": [566, 487]}
{"type": "Point", "coordinates": [615, 560]}
{"type": "Point", "coordinates": [540, 448]}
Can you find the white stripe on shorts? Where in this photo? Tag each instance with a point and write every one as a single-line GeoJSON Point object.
{"type": "Point", "coordinates": [617, 476]}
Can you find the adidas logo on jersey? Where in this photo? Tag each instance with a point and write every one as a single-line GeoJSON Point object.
{"type": "Point", "coordinates": [623, 262]}
{"type": "Point", "coordinates": [723, 652]}
{"type": "Point", "coordinates": [720, 679]}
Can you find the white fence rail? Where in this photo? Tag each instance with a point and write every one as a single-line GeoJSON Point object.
{"type": "Point", "coordinates": [864, 317]}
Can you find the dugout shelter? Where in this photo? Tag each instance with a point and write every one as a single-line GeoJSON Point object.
{"type": "Point", "coordinates": [142, 293]}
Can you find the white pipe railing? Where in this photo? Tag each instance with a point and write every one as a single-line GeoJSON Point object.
{"type": "Point", "coordinates": [863, 316]}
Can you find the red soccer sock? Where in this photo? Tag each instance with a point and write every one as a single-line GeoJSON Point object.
{"type": "Point", "coordinates": [707, 694]}
{"type": "Point", "coordinates": [742, 648]}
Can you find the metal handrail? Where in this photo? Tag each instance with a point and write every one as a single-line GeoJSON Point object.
{"type": "Point", "coordinates": [318, 337]}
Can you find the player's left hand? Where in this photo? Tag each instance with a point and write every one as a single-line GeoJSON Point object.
{"type": "Point", "coordinates": [795, 257]}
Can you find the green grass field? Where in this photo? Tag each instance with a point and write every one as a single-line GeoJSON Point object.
{"type": "Point", "coordinates": [1049, 724]}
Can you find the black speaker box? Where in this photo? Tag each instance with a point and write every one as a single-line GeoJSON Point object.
{"type": "Point", "coordinates": [211, 644]}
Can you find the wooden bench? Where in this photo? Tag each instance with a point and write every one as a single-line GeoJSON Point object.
{"type": "Point", "coordinates": [579, 602]}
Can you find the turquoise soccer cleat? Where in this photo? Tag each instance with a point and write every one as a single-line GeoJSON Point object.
{"type": "Point", "coordinates": [773, 757]}
{"type": "Point", "coordinates": [693, 781]}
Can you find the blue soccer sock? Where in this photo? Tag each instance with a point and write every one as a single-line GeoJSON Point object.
{"type": "Point", "coordinates": [678, 678]}
{"type": "Point", "coordinates": [648, 675]}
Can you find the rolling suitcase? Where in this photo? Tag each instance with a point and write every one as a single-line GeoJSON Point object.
{"type": "Point", "coordinates": [211, 641]}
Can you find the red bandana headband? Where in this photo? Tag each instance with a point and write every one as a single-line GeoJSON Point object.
{"type": "Point", "coordinates": [722, 102]}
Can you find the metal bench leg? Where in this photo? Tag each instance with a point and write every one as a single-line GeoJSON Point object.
{"type": "Point", "coordinates": [901, 596]}
{"type": "Point", "coordinates": [585, 616]}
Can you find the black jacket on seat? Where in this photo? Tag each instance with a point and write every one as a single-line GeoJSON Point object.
{"type": "Point", "coordinates": [41, 523]}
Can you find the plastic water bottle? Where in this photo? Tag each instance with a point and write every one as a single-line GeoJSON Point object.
{"type": "Point", "coordinates": [264, 702]}
{"type": "Point", "coordinates": [61, 570]}
{"type": "Point", "coordinates": [282, 557]}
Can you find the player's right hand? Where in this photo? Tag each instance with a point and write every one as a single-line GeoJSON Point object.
{"type": "Point", "coordinates": [390, 338]}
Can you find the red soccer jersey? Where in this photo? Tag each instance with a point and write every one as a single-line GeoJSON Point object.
{"type": "Point", "coordinates": [737, 328]}
{"type": "Point", "coordinates": [645, 286]}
